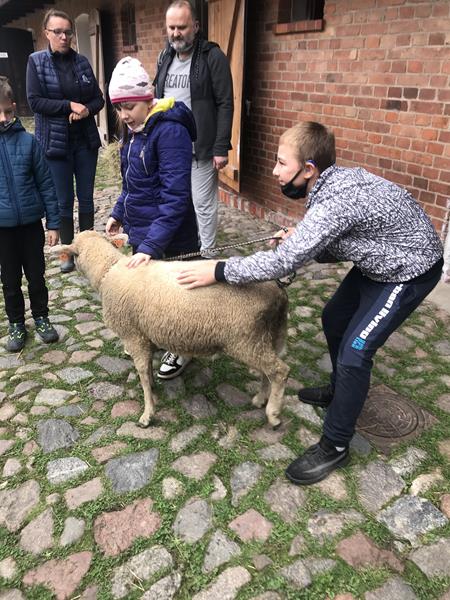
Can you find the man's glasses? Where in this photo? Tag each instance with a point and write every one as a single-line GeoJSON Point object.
{"type": "Point", "coordinates": [59, 32]}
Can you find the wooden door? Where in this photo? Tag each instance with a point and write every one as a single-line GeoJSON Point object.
{"type": "Point", "coordinates": [15, 47]}
{"type": "Point", "coordinates": [95, 34]}
{"type": "Point", "coordinates": [226, 27]}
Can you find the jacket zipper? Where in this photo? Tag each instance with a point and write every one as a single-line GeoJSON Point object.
{"type": "Point", "coordinates": [126, 177]}
{"type": "Point", "coordinates": [10, 180]}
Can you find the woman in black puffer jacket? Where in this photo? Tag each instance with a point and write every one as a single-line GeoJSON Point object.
{"type": "Point", "coordinates": [64, 96]}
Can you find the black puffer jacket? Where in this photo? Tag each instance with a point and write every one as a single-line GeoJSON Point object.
{"type": "Point", "coordinates": [211, 96]}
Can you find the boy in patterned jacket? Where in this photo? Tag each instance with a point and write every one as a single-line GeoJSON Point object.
{"type": "Point", "coordinates": [352, 215]}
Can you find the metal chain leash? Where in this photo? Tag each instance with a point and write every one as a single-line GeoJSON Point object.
{"type": "Point", "coordinates": [219, 249]}
{"type": "Point", "coordinates": [281, 282]}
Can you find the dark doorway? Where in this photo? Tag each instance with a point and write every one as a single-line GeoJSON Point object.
{"type": "Point", "coordinates": [109, 62]}
{"type": "Point", "coordinates": [15, 47]}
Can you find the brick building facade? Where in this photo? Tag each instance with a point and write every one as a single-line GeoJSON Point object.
{"type": "Point", "coordinates": [376, 71]}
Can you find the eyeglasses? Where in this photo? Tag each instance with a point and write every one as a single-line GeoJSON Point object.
{"type": "Point", "coordinates": [59, 32]}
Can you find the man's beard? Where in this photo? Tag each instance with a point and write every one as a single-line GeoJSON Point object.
{"type": "Point", "coordinates": [182, 46]}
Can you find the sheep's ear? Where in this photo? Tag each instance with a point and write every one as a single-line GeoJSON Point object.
{"type": "Point", "coordinates": [118, 240]}
{"type": "Point", "coordinates": [64, 249]}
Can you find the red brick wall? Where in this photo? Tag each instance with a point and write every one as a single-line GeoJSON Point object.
{"type": "Point", "coordinates": [378, 75]}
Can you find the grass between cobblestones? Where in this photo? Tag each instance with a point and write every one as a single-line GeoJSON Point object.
{"type": "Point", "coordinates": [305, 347]}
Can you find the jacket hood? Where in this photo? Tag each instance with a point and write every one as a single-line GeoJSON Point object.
{"type": "Point", "coordinates": [14, 128]}
{"type": "Point", "coordinates": [167, 109]}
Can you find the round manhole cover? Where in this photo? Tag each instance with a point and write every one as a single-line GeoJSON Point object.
{"type": "Point", "coordinates": [388, 416]}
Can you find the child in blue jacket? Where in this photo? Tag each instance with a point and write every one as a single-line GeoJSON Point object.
{"type": "Point", "coordinates": [26, 196]}
{"type": "Point", "coordinates": [155, 207]}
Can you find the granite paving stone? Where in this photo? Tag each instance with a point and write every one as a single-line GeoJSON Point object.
{"type": "Point", "coordinates": [243, 477]}
{"type": "Point", "coordinates": [8, 568]}
{"type": "Point", "coordinates": [193, 520]}
{"type": "Point", "coordinates": [378, 484]}
{"type": "Point", "coordinates": [219, 551]}
{"type": "Point", "coordinates": [325, 524]}
{"type": "Point", "coordinates": [181, 440]}
{"type": "Point", "coordinates": [360, 551]}
{"type": "Point", "coordinates": [195, 466]}
{"type": "Point", "coordinates": [411, 516]}
{"type": "Point", "coordinates": [74, 374]}
{"type": "Point", "coordinates": [297, 575]}
{"type": "Point", "coordinates": [132, 429]}
{"type": "Point", "coordinates": [226, 586]}
{"type": "Point", "coordinates": [115, 531]}
{"type": "Point", "coordinates": [433, 560]}
{"type": "Point", "coordinates": [37, 536]}
{"type": "Point", "coordinates": [53, 397]}
{"type": "Point", "coordinates": [199, 407]}
{"type": "Point", "coordinates": [104, 453]}
{"type": "Point", "coordinates": [139, 568]}
{"type": "Point", "coordinates": [285, 499]}
{"type": "Point", "coordinates": [65, 469]}
{"type": "Point", "coordinates": [132, 471]}
{"type": "Point", "coordinates": [54, 434]}
{"type": "Point", "coordinates": [164, 589]}
{"type": "Point", "coordinates": [62, 577]}
{"type": "Point", "coordinates": [85, 492]}
{"type": "Point", "coordinates": [251, 525]}
{"type": "Point", "coordinates": [73, 531]}
{"type": "Point", "coordinates": [394, 589]}
{"type": "Point", "coordinates": [16, 504]}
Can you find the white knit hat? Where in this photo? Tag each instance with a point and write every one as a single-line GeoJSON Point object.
{"type": "Point", "coordinates": [130, 82]}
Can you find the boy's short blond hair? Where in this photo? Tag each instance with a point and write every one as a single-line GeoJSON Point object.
{"type": "Point", "coordinates": [311, 141]}
{"type": "Point", "coordinates": [6, 91]}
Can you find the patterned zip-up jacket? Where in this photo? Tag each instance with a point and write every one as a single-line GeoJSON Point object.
{"type": "Point", "coordinates": [354, 216]}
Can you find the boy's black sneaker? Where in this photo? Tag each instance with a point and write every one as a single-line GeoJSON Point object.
{"type": "Point", "coordinates": [317, 463]}
{"type": "Point", "coordinates": [317, 396]}
{"type": "Point", "coordinates": [17, 337]}
{"type": "Point", "coordinates": [45, 330]}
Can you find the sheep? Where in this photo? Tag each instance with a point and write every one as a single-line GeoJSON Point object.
{"type": "Point", "coordinates": [148, 309]}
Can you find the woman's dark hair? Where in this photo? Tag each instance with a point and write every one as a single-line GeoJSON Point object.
{"type": "Point", "coordinates": [53, 12]}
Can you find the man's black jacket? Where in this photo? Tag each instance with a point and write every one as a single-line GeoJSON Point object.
{"type": "Point", "coordinates": [211, 96]}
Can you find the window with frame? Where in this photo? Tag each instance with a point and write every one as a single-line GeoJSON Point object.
{"type": "Point", "coordinates": [128, 17]}
{"type": "Point", "coordinates": [300, 16]}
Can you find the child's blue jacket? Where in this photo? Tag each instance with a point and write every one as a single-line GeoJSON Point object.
{"type": "Point", "coordinates": [155, 206]}
{"type": "Point", "coordinates": [27, 193]}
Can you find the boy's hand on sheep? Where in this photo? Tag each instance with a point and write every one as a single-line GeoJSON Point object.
{"type": "Point", "coordinates": [138, 259]}
{"type": "Point", "coordinates": [112, 226]}
{"type": "Point", "coordinates": [199, 275]}
{"type": "Point", "coordinates": [52, 237]}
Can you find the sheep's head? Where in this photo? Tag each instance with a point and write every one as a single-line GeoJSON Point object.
{"type": "Point", "coordinates": [93, 253]}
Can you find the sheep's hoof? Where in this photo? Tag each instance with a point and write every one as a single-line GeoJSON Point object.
{"type": "Point", "coordinates": [143, 423]}
{"type": "Point", "coordinates": [275, 422]}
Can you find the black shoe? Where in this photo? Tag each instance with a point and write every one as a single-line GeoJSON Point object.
{"type": "Point", "coordinates": [17, 337]}
{"type": "Point", "coordinates": [172, 365]}
{"type": "Point", "coordinates": [45, 330]}
{"type": "Point", "coordinates": [317, 463]}
{"type": "Point", "coordinates": [317, 396]}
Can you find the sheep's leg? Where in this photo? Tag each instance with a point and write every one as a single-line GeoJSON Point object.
{"type": "Point", "coordinates": [261, 398]}
{"type": "Point", "coordinates": [140, 351]}
{"type": "Point", "coordinates": [275, 404]}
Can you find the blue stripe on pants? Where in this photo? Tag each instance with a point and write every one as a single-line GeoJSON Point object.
{"type": "Point", "coordinates": [357, 321]}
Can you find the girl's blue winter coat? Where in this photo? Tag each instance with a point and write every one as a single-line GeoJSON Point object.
{"type": "Point", "coordinates": [155, 206]}
{"type": "Point", "coordinates": [27, 193]}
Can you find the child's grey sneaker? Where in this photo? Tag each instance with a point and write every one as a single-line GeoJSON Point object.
{"type": "Point", "coordinates": [172, 365]}
{"type": "Point", "coordinates": [17, 337]}
{"type": "Point", "coordinates": [45, 330]}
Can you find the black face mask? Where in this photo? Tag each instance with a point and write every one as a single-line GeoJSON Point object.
{"type": "Point", "coordinates": [293, 191]}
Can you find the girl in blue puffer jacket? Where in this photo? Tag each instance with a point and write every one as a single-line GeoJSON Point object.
{"type": "Point", "coordinates": [155, 207]}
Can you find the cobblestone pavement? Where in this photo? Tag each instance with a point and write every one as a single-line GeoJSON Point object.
{"type": "Point", "coordinates": [196, 506]}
